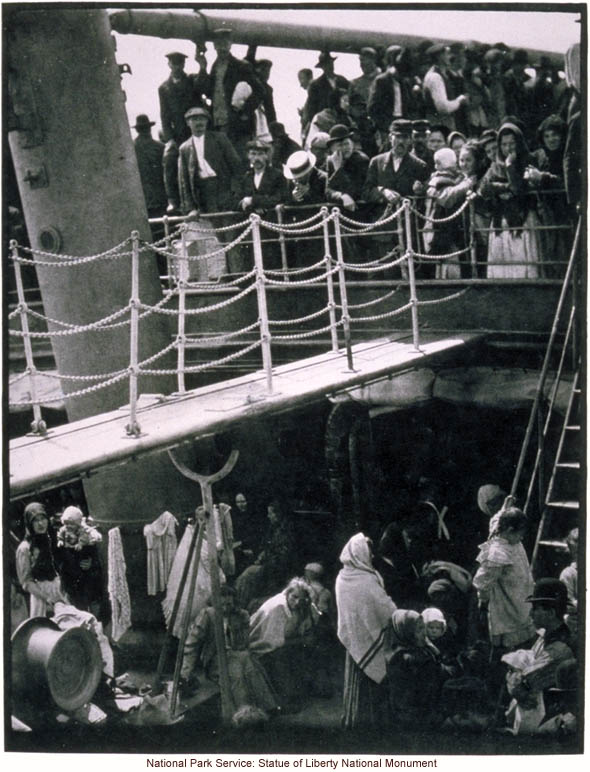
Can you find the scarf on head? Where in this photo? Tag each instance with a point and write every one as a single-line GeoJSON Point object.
{"type": "Point", "coordinates": [404, 623]}
{"type": "Point", "coordinates": [364, 608]}
{"type": "Point", "coordinates": [42, 563]}
{"type": "Point", "coordinates": [434, 615]}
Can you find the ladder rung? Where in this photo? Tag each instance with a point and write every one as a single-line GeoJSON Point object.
{"type": "Point", "coordinates": [558, 545]}
{"type": "Point", "coordinates": [577, 391]}
{"type": "Point", "coordinates": [568, 465]}
{"type": "Point", "coordinates": [573, 428]}
{"type": "Point", "coordinates": [563, 504]}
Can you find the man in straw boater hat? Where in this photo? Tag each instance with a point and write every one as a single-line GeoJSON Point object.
{"type": "Point", "coordinates": [179, 92]}
{"type": "Point", "coordinates": [306, 185]}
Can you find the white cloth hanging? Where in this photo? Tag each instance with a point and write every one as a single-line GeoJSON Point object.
{"type": "Point", "coordinates": [161, 544]}
{"type": "Point", "coordinates": [117, 586]}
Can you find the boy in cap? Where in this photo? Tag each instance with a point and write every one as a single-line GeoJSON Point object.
{"type": "Point", "coordinates": [179, 92]}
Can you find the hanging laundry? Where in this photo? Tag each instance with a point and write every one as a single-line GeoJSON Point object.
{"type": "Point", "coordinates": [161, 542]}
{"type": "Point", "coordinates": [117, 586]}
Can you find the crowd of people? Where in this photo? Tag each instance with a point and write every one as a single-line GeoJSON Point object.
{"type": "Point", "coordinates": [408, 636]}
{"type": "Point", "coordinates": [440, 123]}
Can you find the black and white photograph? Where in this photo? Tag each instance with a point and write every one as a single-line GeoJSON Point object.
{"type": "Point", "coordinates": [294, 315]}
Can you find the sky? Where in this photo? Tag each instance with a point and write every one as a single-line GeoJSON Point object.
{"type": "Point", "coordinates": [551, 31]}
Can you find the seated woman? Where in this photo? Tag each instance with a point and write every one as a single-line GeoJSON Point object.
{"type": "Point", "coordinates": [35, 563]}
{"type": "Point", "coordinates": [248, 680]}
{"type": "Point", "coordinates": [514, 248]}
{"type": "Point", "coordinates": [280, 634]}
{"type": "Point", "coordinates": [415, 676]}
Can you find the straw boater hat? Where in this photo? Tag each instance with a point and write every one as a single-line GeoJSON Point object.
{"type": "Point", "coordinates": [298, 164]}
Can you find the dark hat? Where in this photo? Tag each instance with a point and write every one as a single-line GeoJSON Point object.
{"type": "Point", "coordinates": [392, 52]}
{"type": "Point", "coordinates": [221, 33]}
{"type": "Point", "coordinates": [263, 63]}
{"type": "Point", "coordinates": [544, 63]}
{"type": "Point", "coordinates": [444, 130]}
{"type": "Point", "coordinates": [493, 55]}
{"type": "Point", "coordinates": [436, 49]}
{"type": "Point", "coordinates": [566, 677]}
{"type": "Point", "coordinates": [520, 56]}
{"type": "Point", "coordinates": [401, 126]}
{"type": "Point", "coordinates": [257, 144]}
{"type": "Point", "coordinates": [324, 58]}
{"type": "Point", "coordinates": [456, 46]}
{"type": "Point", "coordinates": [338, 132]}
{"type": "Point", "coordinates": [143, 122]}
{"type": "Point", "coordinates": [420, 126]}
{"type": "Point", "coordinates": [176, 57]}
{"type": "Point", "coordinates": [502, 47]}
{"type": "Point", "coordinates": [423, 46]}
{"type": "Point", "coordinates": [551, 592]}
{"type": "Point", "coordinates": [299, 164]}
{"type": "Point", "coordinates": [277, 128]}
{"type": "Point", "coordinates": [368, 51]}
{"type": "Point", "coordinates": [489, 135]}
{"type": "Point", "coordinates": [199, 110]}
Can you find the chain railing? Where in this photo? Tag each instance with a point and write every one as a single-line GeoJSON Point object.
{"type": "Point", "coordinates": [332, 229]}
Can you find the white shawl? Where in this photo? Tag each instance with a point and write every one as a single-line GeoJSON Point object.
{"type": "Point", "coordinates": [364, 608]}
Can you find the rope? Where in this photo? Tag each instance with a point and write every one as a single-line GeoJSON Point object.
{"type": "Point", "coordinates": [18, 378]}
{"type": "Point", "coordinates": [202, 284]}
{"type": "Point", "coordinates": [443, 300]}
{"type": "Point", "coordinates": [79, 393]}
{"type": "Point", "coordinates": [297, 271]}
{"type": "Point", "coordinates": [395, 312]}
{"type": "Point", "coordinates": [106, 254]}
{"type": "Point", "coordinates": [442, 257]}
{"type": "Point", "coordinates": [455, 214]}
{"type": "Point", "coordinates": [76, 329]}
{"type": "Point", "coordinates": [196, 342]}
{"type": "Point", "coordinates": [383, 220]}
{"type": "Point", "coordinates": [160, 353]}
{"type": "Point", "coordinates": [303, 282]}
{"type": "Point", "coordinates": [163, 240]}
{"type": "Point", "coordinates": [289, 225]}
{"type": "Point", "coordinates": [207, 365]}
{"type": "Point", "coordinates": [97, 377]}
{"type": "Point", "coordinates": [221, 229]}
{"type": "Point", "coordinates": [373, 302]}
{"type": "Point", "coordinates": [377, 260]}
{"type": "Point", "coordinates": [194, 258]}
{"type": "Point", "coordinates": [204, 309]}
{"type": "Point", "coordinates": [307, 318]}
{"type": "Point", "coordinates": [310, 334]}
{"type": "Point", "coordinates": [16, 312]}
{"type": "Point", "coordinates": [293, 230]}
{"type": "Point", "coordinates": [372, 268]}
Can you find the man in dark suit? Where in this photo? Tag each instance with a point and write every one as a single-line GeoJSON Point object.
{"type": "Point", "coordinates": [149, 153]}
{"type": "Point", "coordinates": [207, 167]}
{"type": "Point", "coordinates": [179, 92]}
{"type": "Point", "coordinates": [394, 175]}
{"type": "Point", "coordinates": [388, 96]}
{"type": "Point", "coordinates": [235, 93]}
{"type": "Point", "coordinates": [320, 90]}
{"type": "Point", "coordinates": [347, 168]}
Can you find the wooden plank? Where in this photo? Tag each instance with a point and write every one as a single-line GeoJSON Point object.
{"type": "Point", "coordinates": [85, 446]}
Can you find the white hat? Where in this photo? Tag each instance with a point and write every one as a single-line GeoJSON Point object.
{"type": "Point", "coordinates": [298, 164]}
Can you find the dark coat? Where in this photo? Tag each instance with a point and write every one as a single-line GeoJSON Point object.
{"type": "Point", "coordinates": [317, 189]}
{"type": "Point", "coordinates": [349, 178]}
{"type": "Point", "coordinates": [380, 106]}
{"type": "Point", "coordinates": [149, 154]}
{"type": "Point", "coordinates": [242, 123]}
{"type": "Point", "coordinates": [319, 95]}
{"type": "Point", "coordinates": [381, 174]}
{"type": "Point", "coordinates": [271, 191]}
{"type": "Point", "coordinates": [223, 159]}
{"type": "Point", "coordinates": [268, 103]}
{"type": "Point", "coordinates": [282, 147]}
{"type": "Point", "coordinates": [175, 100]}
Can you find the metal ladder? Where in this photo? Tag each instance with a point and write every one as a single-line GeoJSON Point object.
{"type": "Point", "coordinates": [567, 462]}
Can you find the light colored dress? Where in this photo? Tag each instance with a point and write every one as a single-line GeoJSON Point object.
{"type": "Point", "coordinates": [504, 580]}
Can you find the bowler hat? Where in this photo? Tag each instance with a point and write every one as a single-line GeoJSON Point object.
{"type": "Point", "coordinates": [199, 110]}
{"type": "Point", "coordinates": [298, 164]}
{"type": "Point", "coordinates": [324, 58]}
{"type": "Point", "coordinates": [401, 126]}
{"type": "Point", "coordinates": [143, 122]}
{"type": "Point", "coordinates": [338, 132]}
{"type": "Point", "coordinates": [550, 592]}
{"type": "Point", "coordinates": [176, 57]}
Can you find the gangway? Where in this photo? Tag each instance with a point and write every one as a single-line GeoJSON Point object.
{"type": "Point", "coordinates": [67, 452]}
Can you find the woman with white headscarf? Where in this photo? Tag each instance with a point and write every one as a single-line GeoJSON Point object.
{"type": "Point", "coordinates": [364, 618]}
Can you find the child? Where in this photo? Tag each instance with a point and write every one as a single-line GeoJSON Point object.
{"type": "Point", "coordinates": [78, 560]}
{"type": "Point", "coordinates": [526, 717]}
{"type": "Point", "coordinates": [446, 237]}
{"type": "Point", "coordinates": [74, 533]}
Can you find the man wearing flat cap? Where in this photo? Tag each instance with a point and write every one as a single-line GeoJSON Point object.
{"type": "Point", "coordinates": [321, 90]}
{"type": "Point", "coordinates": [389, 97]}
{"type": "Point", "coordinates": [442, 101]}
{"type": "Point", "coordinates": [207, 167]}
{"type": "Point", "coordinates": [235, 93]}
{"type": "Point", "coordinates": [179, 92]}
{"type": "Point", "coordinates": [420, 134]}
{"type": "Point", "coordinates": [359, 87]}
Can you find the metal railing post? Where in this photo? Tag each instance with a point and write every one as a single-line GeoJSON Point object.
{"type": "Point", "coordinates": [342, 285]}
{"type": "Point", "coordinates": [329, 278]}
{"type": "Point", "coordinates": [180, 336]}
{"type": "Point", "coordinates": [411, 275]}
{"type": "Point", "coordinates": [132, 427]}
{"type": "Point", "coordinates": [169, 262]}
{"type": "Point", "coordinates": [282, 241]}
{"type": "Point", "coordinates": [38, 425]}
{"type": "Point", "coordinates": [472, 241]}
{"type": "Point", "coordinates": [261, 295]}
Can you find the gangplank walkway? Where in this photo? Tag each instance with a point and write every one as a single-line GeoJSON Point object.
{"type": "Point", "coordinates": [69, 451]}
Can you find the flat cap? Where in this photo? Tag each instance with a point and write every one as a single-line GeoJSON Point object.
{"type": "Point", "coordinates": [401, 126]}
{"type": "Point", "coordinates": [200, 110]}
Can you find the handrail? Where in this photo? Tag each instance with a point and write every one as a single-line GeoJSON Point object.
{"type": "Point", "coordinates": [545, 368]}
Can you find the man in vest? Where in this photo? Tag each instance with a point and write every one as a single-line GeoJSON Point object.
{"type": "Point", "coordinates": [441, 101]}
